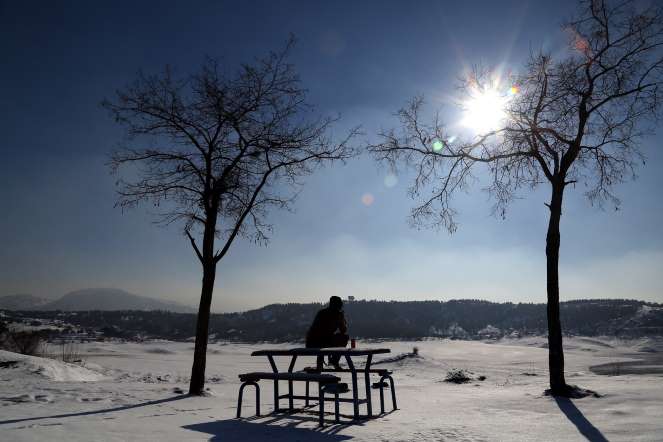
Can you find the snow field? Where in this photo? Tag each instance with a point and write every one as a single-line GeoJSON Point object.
{"type": "Point", "coordinates": [127, 391]}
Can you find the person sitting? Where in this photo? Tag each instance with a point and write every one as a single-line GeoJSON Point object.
{"type": "Point", "coordinates": [329, 329]}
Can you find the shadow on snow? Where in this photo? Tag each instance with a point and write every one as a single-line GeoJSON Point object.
{"type": "Point", "coordinates": [88, 413]}
{"type": "Point", "coordinates": [585, 427]}
{"type": "Point", "coordinates": [278, 427]}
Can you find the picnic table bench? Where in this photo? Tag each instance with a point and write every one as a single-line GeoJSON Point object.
{"type": "Point", "coordinates": [327, 383]}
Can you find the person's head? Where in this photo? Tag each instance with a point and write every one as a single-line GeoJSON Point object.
{"type": "Point", "coordinates": [335, 303]}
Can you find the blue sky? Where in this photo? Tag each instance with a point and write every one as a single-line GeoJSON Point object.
{"type": "Point", "coordinates": [60, 232]}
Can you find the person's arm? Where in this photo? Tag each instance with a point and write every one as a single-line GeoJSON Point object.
{"type": "Point", "coordinates": [343, 326]}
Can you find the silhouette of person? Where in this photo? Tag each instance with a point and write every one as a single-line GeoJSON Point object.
{"type": "Point", "coordinates": [329, 329]}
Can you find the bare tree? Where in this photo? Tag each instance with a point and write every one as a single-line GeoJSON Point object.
{"type": "Point", "coordinates": [577, 118]}
{"type": "Point", "coordinates": [215, 152]}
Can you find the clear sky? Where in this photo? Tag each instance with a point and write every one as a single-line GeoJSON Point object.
{"type": "Point", "coordinates": [60, 232]}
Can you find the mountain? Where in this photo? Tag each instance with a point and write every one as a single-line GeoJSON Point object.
{"type": "Point", "coordinates": [111, 299]}
{"type": "Point", "coordinates": [91, 299]}
{"type": "Point", "coordinates": [22, 302]}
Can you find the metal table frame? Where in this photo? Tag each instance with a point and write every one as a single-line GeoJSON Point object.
{"type": "Point", "coordinates": [320, 353]}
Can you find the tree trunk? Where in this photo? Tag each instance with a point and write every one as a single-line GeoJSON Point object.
{"type": "Point", "coordinates": [202, 331]}
{"type": "Point", "coordinates": [555, 351]}
{"type": "Point", "coordinates": [197, 384]}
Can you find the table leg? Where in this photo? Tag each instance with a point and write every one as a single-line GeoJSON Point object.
{"type": "Point", "coordinates": [307, 393]}
{"type": "Point", "coordinates": [290, 389]}
{"type": "Point", "coordinates": [276, 384]}
{"type": "Point", "coordinates": [276, 396]}
{"type": "Point", "coordinates": [367, 379]}
{"type": "Point", "coordinates": [321, 400]}
{"type": "Point", "coordinates": [355, 394]}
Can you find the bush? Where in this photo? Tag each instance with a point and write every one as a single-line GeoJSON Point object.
{"type": "Point", "coordinates": [70, 352]}
{"type": "Point", "coordinates": [23, 342]}
{"type": "Point", "coordinates": [4, 336]}
{"type": "Point", "coordinates": [458, 376]}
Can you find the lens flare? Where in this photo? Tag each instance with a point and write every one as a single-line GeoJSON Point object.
{"type": "Point", "coordinates": [437, 145]}
{"type": "Point", "coordinates": [513, 90]}
{"type": "Point", "coordinates": [581, 45]}
{"type": "Point", "coordinates": [367, 199]}
{"type": "Point", "coordinates": [390, 180]}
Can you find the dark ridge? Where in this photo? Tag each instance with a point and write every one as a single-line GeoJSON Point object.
{"type": "Point", "coordinates": [457, 319]}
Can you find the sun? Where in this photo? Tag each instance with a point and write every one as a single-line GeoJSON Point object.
{"type": "Point", "coordinates": [485, 110]}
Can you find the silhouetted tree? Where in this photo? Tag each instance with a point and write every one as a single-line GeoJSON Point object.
{"type": "Point", "coordinates": [223, 149]}
{"type": "Point", "coordinates": [577, 117]}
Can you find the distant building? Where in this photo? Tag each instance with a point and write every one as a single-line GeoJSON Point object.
{"type": "Point", "coordinates": [490, 332]}
{"type": "Point", "coordinates": [351, 298]}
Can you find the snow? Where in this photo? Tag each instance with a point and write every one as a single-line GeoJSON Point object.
{"type": "Point", "coordinates": [51, 369]}
{"type": "Point", "coordinates": [128, 391]}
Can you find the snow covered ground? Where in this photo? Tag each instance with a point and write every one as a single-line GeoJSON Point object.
{"type": "Point", "coordinates": [129, 391]}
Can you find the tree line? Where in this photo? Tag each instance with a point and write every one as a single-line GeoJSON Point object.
{"type": "Point", "coordinates": [458, 319]}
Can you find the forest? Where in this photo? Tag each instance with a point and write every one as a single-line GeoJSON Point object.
{"type": "Point", "coordinates": [367, 319]}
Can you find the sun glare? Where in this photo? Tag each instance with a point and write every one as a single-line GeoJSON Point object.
{"type": "Point", "coordinates": [485, 110]}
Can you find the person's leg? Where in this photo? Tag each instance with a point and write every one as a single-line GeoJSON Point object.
{"type": "Point", "coordinates": [337, 340]}
{"type": "Point", "coordinates": [316, 344]}
{"type": "Point", "coordinates": [324, 342]}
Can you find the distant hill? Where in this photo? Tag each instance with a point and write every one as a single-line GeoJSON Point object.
{"type": "Point", "coordinates": [22, 302]}
{"type": "Point", "coordinates": [463, 319]}
{"type": "Point", "coordinates": [93, 299]}
{"type": "Point", "coordinates": [459, 319]}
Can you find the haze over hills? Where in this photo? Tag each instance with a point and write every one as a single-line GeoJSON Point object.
{"type": "Point", "coordinates": [22, 301]}
{"type": "Point", "coordinates": [91, 299]}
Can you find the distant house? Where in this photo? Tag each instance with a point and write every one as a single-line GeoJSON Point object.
{"type": "Point", "coordinates": [351, 298]}
{"type": "Point", "coordinates": [455, 331]}
{"type": "Point", "coordinates": [490, 332]}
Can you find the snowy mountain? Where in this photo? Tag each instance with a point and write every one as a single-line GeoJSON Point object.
{"type": "Point", "coordinates": [92, 299]}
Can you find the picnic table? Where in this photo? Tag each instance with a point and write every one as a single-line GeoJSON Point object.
{"type": "Point", "coordinates": [350, 355]}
